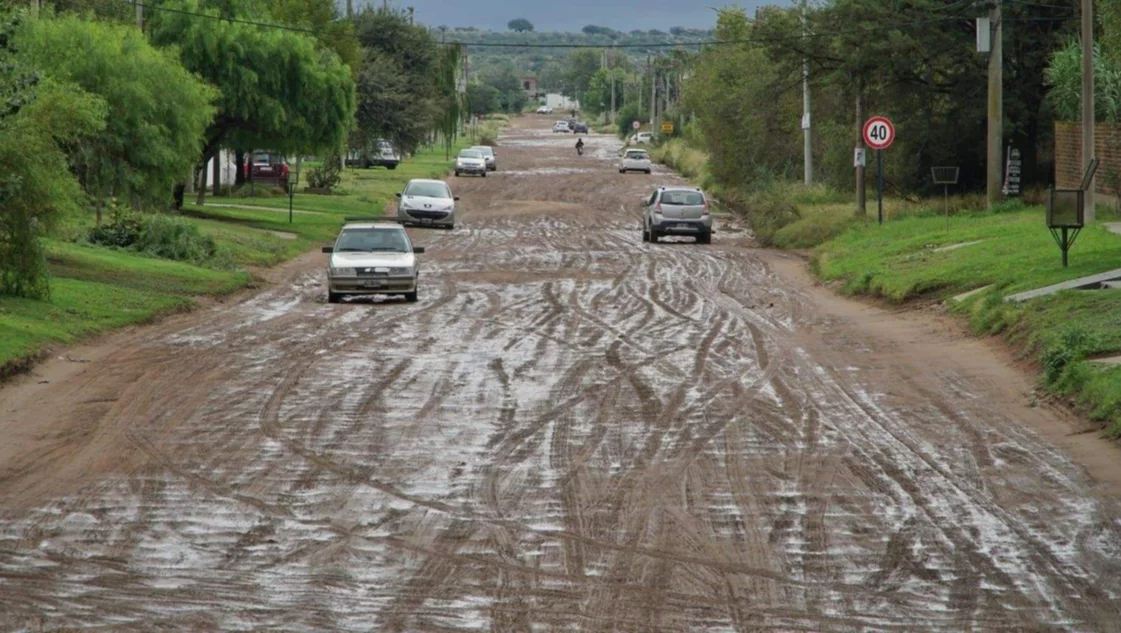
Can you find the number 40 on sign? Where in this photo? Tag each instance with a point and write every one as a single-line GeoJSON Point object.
{"type": "Point", "coordinates": [879, 133]}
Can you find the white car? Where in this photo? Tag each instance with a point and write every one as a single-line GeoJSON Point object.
{"type": "Point", "coordinates": [544, 110]}
{"type": "Point", "coordinates": [562, 127]}
{"type": "Point", "coordinates": [372, 258]}
{"type": "Point", "coordinates": [642, 138]}
{"type": "Point", "coordinates": [471, 161]}
{"type": "Point", "coordinates": [635, 160]}
{"type": "Point", "coordinates": [427, 202]}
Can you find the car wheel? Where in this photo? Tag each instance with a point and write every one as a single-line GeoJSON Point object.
{"type": "Point", "coordinates": [411, 297]}
{"type": "Point", "coordinates": [484, 174]}
{"type": "Point", "coordinates": [645, 234]}
{"type": "Point", "coordinates": [333, 297]}
{"type": "Point", "coordinates": [648, 172]}
{"type": "Point", "coordinates": [704, 238]}
{"type": "Point", "coordinates": [457, 174]}
{"type": "Point", "coordinates": [654, 237]}
{"type": "Point", "coordinates": [391, 167]}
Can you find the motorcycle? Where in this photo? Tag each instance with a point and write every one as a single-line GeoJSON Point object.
{"type": "Point", "coordinates": [579, 150]}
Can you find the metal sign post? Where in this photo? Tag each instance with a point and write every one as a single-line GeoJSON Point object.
{"type": "Point", "coordinates": [292, 191]}
{"type": "Point", "coordinates": [879, 133]}
{"type": "Point", "coordinates": [1066, 211]}
{"type": "Point", "coordinates": [945, 176]}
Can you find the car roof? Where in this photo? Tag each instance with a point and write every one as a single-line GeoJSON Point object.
{"type": "Point", "coordinates": [372, 225]}
{"type": "Point", "coordinates": [680, 188]}
{"type": "Point", "coordinates": [482, 148]}
{"type": "Point", "coordinates": [425, 180]}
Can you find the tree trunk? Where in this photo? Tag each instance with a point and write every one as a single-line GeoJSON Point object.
{"type": "Point", "coordinates": [241, 178]}
{"type": "Point", "coordinates": [861, 206]}
{"type": "Point", "coordinates": [200, 177]}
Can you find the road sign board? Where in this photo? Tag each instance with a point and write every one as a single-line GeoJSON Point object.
{"type": "Point", "coordinates": [667, 127]}
{"type": "Point", "coordinates": [636, 125]}
{"type": "Point", "coordinates": [879, 133]}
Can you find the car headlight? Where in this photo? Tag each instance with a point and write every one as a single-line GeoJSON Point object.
{"type": "Point", "coordinates": [343, 272]}
{"type": "Point", "coordinates": [405, 271]}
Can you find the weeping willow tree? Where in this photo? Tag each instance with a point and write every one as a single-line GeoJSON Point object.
{"type": "Point", "coordinates": [450, 63]}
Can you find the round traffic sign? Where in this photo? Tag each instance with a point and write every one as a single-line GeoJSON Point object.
{"type": "Point", "coordinates": [879, 133]}
{"type": "Point", "coordinates": [636, 125]}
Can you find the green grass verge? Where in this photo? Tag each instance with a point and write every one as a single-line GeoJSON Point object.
{"type": "Point", "coordinates": [906, 260]}
{"type": "Point", "coordinates": [95, 289]}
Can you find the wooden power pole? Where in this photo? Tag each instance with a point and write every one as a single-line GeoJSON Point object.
{"type": "Point", "coordinates": [995, 180]}
{"type": "Point", "coordinates": [1088, 100]}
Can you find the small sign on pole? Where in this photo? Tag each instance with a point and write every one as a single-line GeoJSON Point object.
{"type": "Point", "coordinates": [858, 157]}
{"type": "Point", "coordinates": [945, 176]}
{"type": "Point", "coordinates": [667, 127]}
{"type": "Point", "coordinates": [879, 134]}
{"type": "Point", "coordinates": [1012, 166]}
{"type": "Point", "coordinates": [636, 126]}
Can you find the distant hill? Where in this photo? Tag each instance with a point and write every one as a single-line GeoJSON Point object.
{"type": "Point", "coordinates": [532, 50]}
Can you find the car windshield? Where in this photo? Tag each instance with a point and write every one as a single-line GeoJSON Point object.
{"type": "Point", "coordinates": [428, 190]}
{"type": "Point", "coordinates": [372, 240]}
{"type": "Point", "coordinates": [384, 145]}
{"type": "Point", "coordinates": [484, 150]}
{"type": "Point", "coordinates": [683, 198]}
{"type": "Point", "coordinates": [470, 153]}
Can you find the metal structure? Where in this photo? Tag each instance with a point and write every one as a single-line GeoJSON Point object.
{"type": "Point", "coordinates": [945, 176]}
{"type": "Point", "coordinates": [1066, 212]}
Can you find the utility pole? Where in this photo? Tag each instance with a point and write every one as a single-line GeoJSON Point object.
{"type": "Point", "coordinates": [350, 9]}
{"type": "Point", "coordinates": [35, 8]}
{"type": "Point", "coordinates": [807, 130]}
{"type": "Point", "coordinates": [1088, 101]}
{"type": "Point", "coordinates": [861, 206]}
{"type": "Point", "coordinates": [996, 109]}
{"type": "Point", "coordinates": [410, 15]}
{"type": "Point", "coordinates": [139, 15]}
{"type": "Point", "coordinates": [612, 71]}
{"type": "Point", "coordinates": [653, 95]}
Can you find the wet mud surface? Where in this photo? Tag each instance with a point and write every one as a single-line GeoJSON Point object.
{"type": "Point", "coordinates": [571, 431]}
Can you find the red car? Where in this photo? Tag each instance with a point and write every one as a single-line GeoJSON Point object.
{"type": "Point", "coordinates": [267, 168]}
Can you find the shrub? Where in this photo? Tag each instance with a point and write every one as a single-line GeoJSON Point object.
{"type": "Point", "coordinates": [121, 231]}
{"type": "Point", "coordinates": [328, 175]}
{"type": "Point", "coordinates": [1073, 344]}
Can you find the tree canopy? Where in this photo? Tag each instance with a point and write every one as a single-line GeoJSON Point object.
{"type": "Point", "coordinates": [520, 25]}
{"type": "Point", "coordinates": [278, 90]}
{"type": "Point", "coordinates": [158, 110]}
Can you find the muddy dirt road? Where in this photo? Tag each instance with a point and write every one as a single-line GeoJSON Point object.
{"type": "Point", "coordinates": [571, 431]}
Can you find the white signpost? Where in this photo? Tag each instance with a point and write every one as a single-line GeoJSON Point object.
{"type": "Point", "coordinates": [635, 126]}
{"type": "Point", "coordinates": [879, 134]}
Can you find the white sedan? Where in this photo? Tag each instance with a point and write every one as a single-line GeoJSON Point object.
{"type": "Point", "coordinates": [562, 127]}
{"type": "Point", "coordinates": [635, 160]}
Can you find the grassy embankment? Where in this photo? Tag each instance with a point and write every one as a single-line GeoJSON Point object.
{"type": "Point", "coordinates": [918, 256]}
{"type": "Point", "coordinates": [95, 289]}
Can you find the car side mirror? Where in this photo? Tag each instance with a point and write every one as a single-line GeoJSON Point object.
{"type": "Point", "coordinates": [418, 249]}
{"type": "Point", "coordinates": [455, 198]}
{"type": "Point", "coordinates": [328, 249]}
{"type": "Point", "coordinates": [398, 194]}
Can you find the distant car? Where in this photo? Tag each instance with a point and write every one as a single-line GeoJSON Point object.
{"type": "Point", "coordinates": [489, 156]}
{"type": "Point", "coordinates": [470, 161]}
{"type": "Point", "coordinates": [642, 138]}
{"type": "Point", "coordinates": [580, 128]}
{"type": "Point", "coordinates": [562, 127]}
{"type": "Point", "coordinates": [676, 211]}
{"type": "Point", "coordinates": [544, 110]}
{"type": "Point", "coordinates": [635, 160]}
{"type": "Point", "coordinates": [425, 202]}
{"type": "Point", "coordinates": [267, 168]}
{"type": "Point", "coordinates": [383, 155]}
{"type": "Point", "coordinates": [372, 258]}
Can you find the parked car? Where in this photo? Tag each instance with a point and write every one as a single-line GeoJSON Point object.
{"type": "Point", "coordinates": [372, 258]}
{"type": "Point", "coordinates": [489, 156]}
{"type": "Point", "coordinates": [470, 161]}
{"type": "Point", "coordinates": [267, 168]}
{"type": "Point", "coordinates": [382, 155]}
{"type": "Point", "coordinates": [562, 127]}
{"type": "Point", "coordinates": [580, 128]}
{"type": "Point", "coordinates": [635, 160]}
{"type": "Point", "coordinates": [676, 211]}
{"type": "Point", "coordinates": [426, 202]}
{"type": "Point", "coordinates": [641, 138]}
{"type": "Point", "coordinates": [544, 110]}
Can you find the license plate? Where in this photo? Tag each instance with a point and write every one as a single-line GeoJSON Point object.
{"type": "Point", "coordinates": [373, 283]}
{"type": "Point", "coordinates": [425, 221]}
{"type": "Point", "coordinates": [684, 226]}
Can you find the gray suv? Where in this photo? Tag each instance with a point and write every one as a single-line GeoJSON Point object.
{"type": "Point", "coordinates": [676, 211]}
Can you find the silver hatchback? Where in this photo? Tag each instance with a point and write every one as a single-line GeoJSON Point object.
{"type": "Point", "coordinates": [676, 211]}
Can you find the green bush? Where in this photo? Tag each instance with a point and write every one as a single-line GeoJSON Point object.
{"type": "Point", "coordinates": [328, 175]}
{"type": "Point", "coordinates": [1073, 344]}
{"type": "Point", "coordinates": [121, 231]}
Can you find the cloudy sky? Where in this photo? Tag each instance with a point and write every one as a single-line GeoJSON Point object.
{"type": "Point", "coordinates": [621, 15]}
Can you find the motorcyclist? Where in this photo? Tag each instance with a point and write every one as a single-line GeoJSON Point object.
{"type": "Point", "coordinates": [580, 146]}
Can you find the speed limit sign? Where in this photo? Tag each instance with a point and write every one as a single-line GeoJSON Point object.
{"type": "Point", "coordinates": [878, 132]}
{"type": "Point", "coordinates": [636, 125]}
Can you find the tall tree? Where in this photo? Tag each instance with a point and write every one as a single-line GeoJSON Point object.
{"type": "Point", "coordinates": [520, 25]}
{"type": "Point", "coordinates": [278, 91]}
{"type": "Point", "coordinates": [158, 110]}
